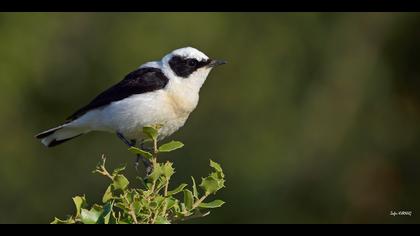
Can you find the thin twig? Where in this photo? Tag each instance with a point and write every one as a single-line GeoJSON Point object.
{"type": "Point", "coordinates": [199, 201]}
{"type": "Point", "coordinates": [102, 170]}
{"type": "Point", "coordinates": [132, 211]}
{"type": "Point", "coordinates": [165, 206]}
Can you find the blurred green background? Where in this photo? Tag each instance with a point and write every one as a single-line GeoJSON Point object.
{"type": "Point", "coordinates": [316, 118]}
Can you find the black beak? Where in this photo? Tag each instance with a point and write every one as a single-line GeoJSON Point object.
{"type": "Point", "coordinates": [214, 63]}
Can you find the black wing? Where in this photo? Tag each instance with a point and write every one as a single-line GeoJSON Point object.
{"type": "Point", "coordinates": [139, 81]}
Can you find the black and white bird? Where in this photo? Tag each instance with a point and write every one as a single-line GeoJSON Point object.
{"type": "Point", "coordinates": [161, 92]}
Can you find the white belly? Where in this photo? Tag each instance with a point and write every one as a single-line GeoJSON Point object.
{"type": "Point", "coordinates": [130, 115]}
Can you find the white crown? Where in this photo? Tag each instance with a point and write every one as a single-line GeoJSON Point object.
{"type": "Point", "coordinates": [189, 52]}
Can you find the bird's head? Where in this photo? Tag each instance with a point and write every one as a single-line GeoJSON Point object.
{"type": "Point", "coordinates": [189, 64]}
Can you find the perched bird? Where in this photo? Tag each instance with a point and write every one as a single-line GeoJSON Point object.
{"type": "Point", "coordinates": [161, 92]}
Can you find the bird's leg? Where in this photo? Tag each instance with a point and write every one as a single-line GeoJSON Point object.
{"type": "Point", "coordinates": [132, 143]}
{"type": "Point", "coordinates": [128, 143]}
{"type": "Point", "coordinates": [147, 163]}
{"type": "Point", "coordinates": [136, 164]}
{"type": "Point", "coordinates": [144, 147]}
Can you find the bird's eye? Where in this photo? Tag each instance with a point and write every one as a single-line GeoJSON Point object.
{"type": "Point", "coordinates": [192, 62]}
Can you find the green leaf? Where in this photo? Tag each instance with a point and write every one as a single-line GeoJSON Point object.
{"type": "Point", "coordinates": [156, 173]}
{"type": "Point", "coordinates": [218, 176]}
{"type": "Point", "coordinates": [211, 185]}
{"type": "Point", "coordinates": [160, 184]}
{"type": "Point", "coordinates": [118, 170]}
{"type": "Point", "coordinates": [216, 166]}
{"type": "Point", "coordinates": [194, 187]}
{"type": "Point", "coordinates": [107, 195]}
{"type": "Point", "coordinates": [130, 194]}
{"type": "Point", "coordinates": [79, 202]}
{"type": "Point", "coordinates": [153, 205]}
{"type": "Point", "coordinates": [177, 190]}
{"type": "Point", "coordinates": [168, 170]}
{"type": "Point", "coordinates": [171, 202]}
{"type": "Point", "coordinates": [122, 206]}
{"type": "Point", "coordinates": [159, 200]}
{"type": "Point", "coordinates": [161, 220]}
{"type": "Point", "coordinates": [213, 204]}
{"type": "Point", "coordinates": [172, 145]}
{"type": "Point", "coordinates": [188, 199]}
{"type": "Point", "coordinates": [120, 182]}
{"type": "Point", "coordinates": [135, 150]}
{"type": "Point", "coordinates": [91, 216]}
{"type": "Point", "coordinates": [150, 132]}
{"type": "Point", "coordinates": [106, 214]}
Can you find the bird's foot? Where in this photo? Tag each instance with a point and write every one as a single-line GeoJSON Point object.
{"type": "Point", "coordinates": [147, 164]}
{"type": "Point", "coordinates": [145, 148]}
{"type": "Point", "coordinates": [136, 164]}
{"type": "Point", "coordinates": [149, 169]}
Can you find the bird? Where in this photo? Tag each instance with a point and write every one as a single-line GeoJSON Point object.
{"type": "Point", "coordinates": [161, 92]}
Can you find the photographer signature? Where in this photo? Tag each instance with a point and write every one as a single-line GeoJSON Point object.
{"type": "Point", "coordinates": [401, 213]}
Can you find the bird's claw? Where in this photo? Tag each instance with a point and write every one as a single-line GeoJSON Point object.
{"type": "Point", "coordinates": [147, 164]}
{"type": "Point", "coordinates": [136, 164]}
